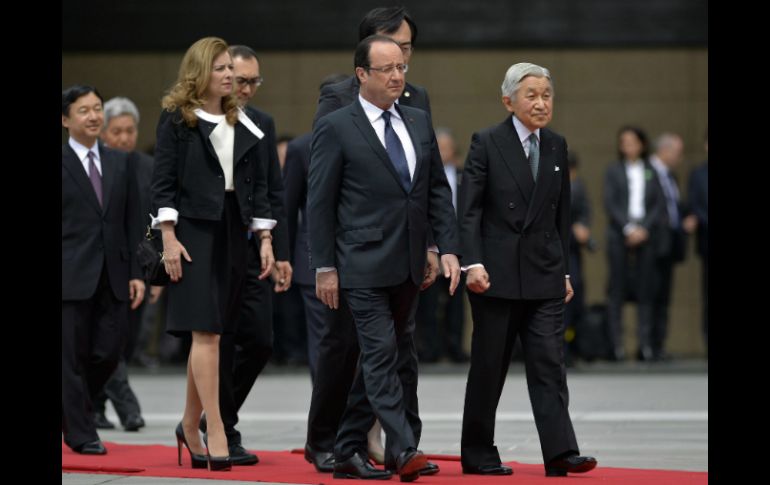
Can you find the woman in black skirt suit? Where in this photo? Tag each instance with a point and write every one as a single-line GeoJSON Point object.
{"type": "Point", "coordinates": [210, 192]}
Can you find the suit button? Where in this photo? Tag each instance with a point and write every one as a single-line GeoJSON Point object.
{"type": "Point", "coordinates": [220, 176]}
{"type": "Point", "coordinates": [511, 205]}
{"type": "Point", "coordinates": [248, 198]}
{"type": "Point", "coordinates": [553, 206]}
{"type": "Point", "coordinates": [248, 180]}
{"type": "Point", "coordinates": [547, 235]}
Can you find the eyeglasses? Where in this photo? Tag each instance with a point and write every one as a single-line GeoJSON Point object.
{"type": "Point", "coordinates": [254, 81]}
{"type": "Point", "coordinates": [388, 71]}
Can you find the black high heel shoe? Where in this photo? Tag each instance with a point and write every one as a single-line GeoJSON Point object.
{"type": "Point", "coordinates": [220, 463]}
{"type": "Point", "coordinates": [198, 461]}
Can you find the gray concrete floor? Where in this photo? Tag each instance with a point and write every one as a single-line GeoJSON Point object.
{"type": "Point", "coordinates": [625, 415]}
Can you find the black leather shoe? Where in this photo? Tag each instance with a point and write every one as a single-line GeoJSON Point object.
{"type": "Point", "coordinates": [101, 421]}
{"type": "Point", "coordinates": [571, 464]}
{"type": "Point", "coordinates": [488, 470]}
{"type": "Point", "coordinates": [409, 464]}
{"type": "Point", "coordinates": [323, 461]}
{"type": "Point", "coordinates": [91, 448]}
{"type": "Point", "coordinates": [239, 456]}
{"type": "Point", "coordinates": [133, 422]}
{"type": "Point", "coordinates": [357, 467]}
{"type": "Point", "coordinates": [644, 354]}
{"type": "Point", "coordinates": [430, 468]}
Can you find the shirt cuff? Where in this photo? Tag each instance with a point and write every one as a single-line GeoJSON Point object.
{"type": "Point", "coordinates": [566, 276]}
{"type": "Point", "coordinates": [628, 228]}
{"type": "Point", "coordinates": [475, 265]}
{"type": "Point", "coordinates": [165, 214]}
{"type": "Point", "coordinates": [433, 249]}
{"type": "Point", "coordinates": [258, 224]}
{"type": "Point", "coordinates": [325, 269]}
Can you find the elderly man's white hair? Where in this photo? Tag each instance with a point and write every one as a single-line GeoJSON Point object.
{"type": "Point", "coordinates": [519, 71]}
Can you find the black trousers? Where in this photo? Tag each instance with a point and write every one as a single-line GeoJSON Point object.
{"type": "Point", "coordinates": [93, 333]}
{"type": "Point", "coordinates": [385, 385]}
{"type": "Point", "coordinates": [244, 353]}
{"type": "Point", "coordinates": [117, 387]}
{"type": "Point", "coordinates": [315, 317]}
{"type": "Point", "coordinates": [496, 323]}
{"type": "Point", "coordinates": [335, 369]}
{"type": "Point", "coordinates": [440, 336]}
{"type": "Point", "coordinates": [631, 277]}
{"type": "Point", "coordinates": [664, 275]}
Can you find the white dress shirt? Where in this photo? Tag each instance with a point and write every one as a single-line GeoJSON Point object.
{"type": "Point", "coordinates": [636, 186]}
{"type": "Point", "coordinates": [82, 153]}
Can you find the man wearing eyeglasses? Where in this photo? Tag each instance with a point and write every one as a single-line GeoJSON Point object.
{"type": "Point", "coordinates": [338, 348]}
{"type": "Point", "coordinates": [376, 185]}
{"type": "Point", "coordinates": [245, 353]}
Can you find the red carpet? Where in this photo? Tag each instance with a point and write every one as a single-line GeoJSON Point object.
{"type": "Point", "coordinates": [288, 467]}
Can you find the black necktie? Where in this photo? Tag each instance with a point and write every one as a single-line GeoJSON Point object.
{"type": "Point", "coordinates": [96, 178]}
{"type": "Point", "coordinates": [396, 152]}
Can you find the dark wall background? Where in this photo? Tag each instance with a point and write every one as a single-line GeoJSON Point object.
{"type": "Point", "coordinates": [138, 25]}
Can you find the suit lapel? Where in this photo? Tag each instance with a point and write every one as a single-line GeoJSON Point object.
{"type": "Point", "coordinates": [410, 128]}
{"type": "Point", "coordinates": [508, 144]}
{"type": "Point", "coordinates": [72, 164]}
{"type": "Point", "coordinates": [367, 131]}
{"type": "Point", "coordinates": [109, 173]}
{"type": "Point", "coordinates": [205, 128]}
{"type": "Point", "coordinates": [244, 141]}
{"type": "Point", "coordinates": [545, 175]}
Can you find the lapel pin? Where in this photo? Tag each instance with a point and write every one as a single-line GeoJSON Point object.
{"type": "Point", "coordinates": [407, 94]}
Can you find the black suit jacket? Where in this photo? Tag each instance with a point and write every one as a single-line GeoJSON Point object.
{"type": "Point", "coordinates": [295, 182]}
{"type": "Point", "coordinates": [269, 154]}
{"type": "Point", "coordinates": [518, 229]}
{"type": "Point", "coordinates": [202, 193]}
{"type": "Point", "coordinates": [616, 200]}
{"type": "Point", "coordinates": [337, 95]}
{"type": "Point", "coordinates": [143, 166]}
{"type": "Point", "coordinates": [92, 235]}
{"type": "Point", "coordinates": [361, 219]}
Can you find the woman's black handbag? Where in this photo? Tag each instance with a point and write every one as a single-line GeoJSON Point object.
{"type": "Point", "coordinates": [149, 254]}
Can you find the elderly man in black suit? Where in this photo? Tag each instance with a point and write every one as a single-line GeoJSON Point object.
{"type": "Point", "coordinates": [101, 228]}
{"type": "Point", "coordinates": [514, 228]}
{"type": "Point", "coordinates": [376, 186]}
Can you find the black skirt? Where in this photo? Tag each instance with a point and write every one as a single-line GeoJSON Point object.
{"type": "Point", "coordinates": [208, 296]}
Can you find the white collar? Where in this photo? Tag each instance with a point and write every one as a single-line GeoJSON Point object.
{"type": "Point", "coordinates": [373, 112]}
{"type": "Point", "coordinates": [523, 131]}
{"type": "Point", "coordinates": [242, 117]}
{"type": "Point", "coordinates": [82, 151]}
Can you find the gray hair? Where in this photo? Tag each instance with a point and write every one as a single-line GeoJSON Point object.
{"type": "Point", "coordinates": [517, 72]}
{"type": "Point", "coordinates": [119, 106]}
{"type": "Point", "coordinates": [666, 140]}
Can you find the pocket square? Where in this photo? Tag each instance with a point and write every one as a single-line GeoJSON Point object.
{"type": "Point", "coordinates": [556, 169]}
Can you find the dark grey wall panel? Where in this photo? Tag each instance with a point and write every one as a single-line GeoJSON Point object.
{"type": "Point", "coordinates": [141, 25]}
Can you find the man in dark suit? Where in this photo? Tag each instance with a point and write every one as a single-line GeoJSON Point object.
{"type": "Point", "coordinates": [672, 240]}
{"type": "Point", "coordinates": [101, 228]}
{"type": "Point", "coordinates": [514, 228]}
{"type": "Point", "coordinates": [121, 123]}
{"type": "Point", "coordinates": [295, 185]}
{"type": "Point", "coordinates": [244, 353]}
{"type": "Point", "coordinates": [338, 349]}
{"type": "Point", "coordinates": [436, 339]}
{"type": "Point", "coordinates": [698, 199]}
{"type": "Point", "coordinates": [635, 208]}
{"type": "Point", "coordinates": [375, 184]}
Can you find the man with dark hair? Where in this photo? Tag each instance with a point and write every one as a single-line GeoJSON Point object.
{"type": "Point", "coordinates": [369, 225]}
{"type": "Point", "coordinates": [338, 349]}
{"type": "Point", "coordinates": [101, 227]}
{"type": "Point", "coordinates": [244, 354]}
